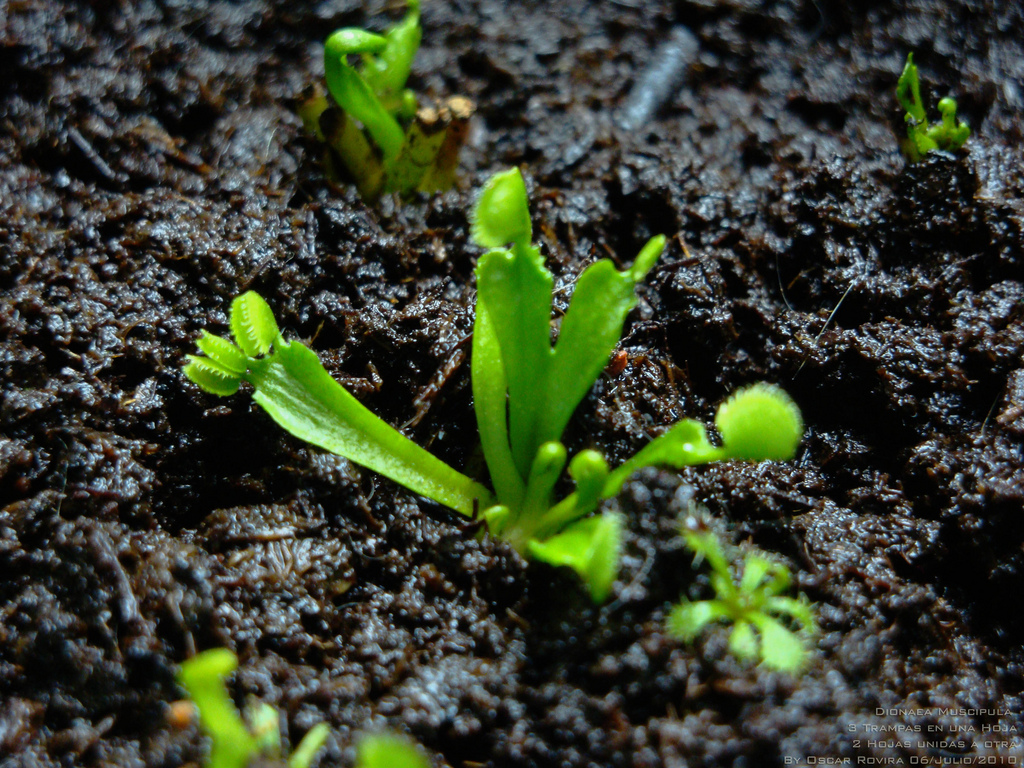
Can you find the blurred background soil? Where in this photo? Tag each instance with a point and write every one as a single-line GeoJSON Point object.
{"type": "Point", "coordinates": [152, 167]}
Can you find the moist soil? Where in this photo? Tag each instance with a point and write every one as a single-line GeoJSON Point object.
{"type": "Point", "coordinates": [152, 167]}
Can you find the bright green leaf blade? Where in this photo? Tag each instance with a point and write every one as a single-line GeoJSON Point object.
{"type": "Point", "coordinates": [759, 423]}
{"type": "Point", "coordinates": [264, 727]}
{"type": "Point", "coordinates": [311, 743]}
{"type": "Point", "coordinates": [293, 387]}
{"type": "Point", "coordinates": [687, 619]}
{"type": "Point", "coordinates": [394, 62]}
{"type": "Point", "coordinates": [222, 352]}
{"type": "Point", "coordinates": [389, 751]}
{"type": "Point", "coordinates": [490, 402]}
{"type": "Point", "coordinates": [799, 609]}
{"type": "Point", "coordinates": [743, 641]}
{"type": "Point", "coordinates": [908, 91]}
{"type": "Point", "coordinates": [754, 571]}
{"type": "Point", "coordinates": [210, 377]}
{"type": "Point", "coordinates": [502, 214]}
{"type": "Point", "coordinates": [781, 648]}
{"type": "Point", "coordinates": [591, 547]}
{"type": "Point", "coordinates": [253, 324]}
{"type": "Point", "coordinates": [353, 94]}
{"type": "Point", "coordinates": [684, 445]}
{"type": "Point", "coordinates": [516, 289]}
{"type": "Point", "coordinates": [547, 466]}
{"type": "Point", "coordinates": [590, 330]}
{"type": "Point", "coordinates": [202, 676]}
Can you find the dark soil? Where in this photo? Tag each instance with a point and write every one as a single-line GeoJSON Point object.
{"type": "Point", "coordinates": [152, 167]}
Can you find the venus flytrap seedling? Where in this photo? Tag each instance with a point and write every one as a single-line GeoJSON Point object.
{"type": "Point", "coordinates": [525, 391]}
{"type": "Point", "coordinates": [924, 137]}
{"type": "Point", "coordinates": [382, 138]}
{"type": "Point", "coordinates": [386, 750]}
{"type": "Point", "coordinates": [234, 743]}
{"type": "Point", "coordinates": [755, 606]}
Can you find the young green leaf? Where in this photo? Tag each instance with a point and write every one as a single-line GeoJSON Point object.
{"type": "Point", "coordinates": [293, 387]}
{"type": "Point", "coordinates": [591, 547]}
{"type": "Point", "coordinates": [760, 423]}
{"type": "Point", "coordinates": [490, 402]}
{"type": "Point", "coordinates": [253, 324]}
{"type": "Point", "coordinates": [590, 330]}
{"type": "Point", "coordinates": [202, 676]}
{"type": "Point", "coordinates": [210, 376]}
{"type": "Point", "coordinates": [502, 214]}
{"type": "Point", "coordinates": [386, 750]}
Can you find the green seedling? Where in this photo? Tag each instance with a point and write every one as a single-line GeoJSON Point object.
{"type": "Point", "coordinates": [376, 131]}
{"type": "Point", "coordinates": [236, 742]}
{"type": "Point", "coordinates": [755, 606]}
{"type": "Point", "coordinates": [385, 750]}
{"type": "Point", "coordinates": [924, 137]}
{"type": "Point", "coordinates": [525, 391]}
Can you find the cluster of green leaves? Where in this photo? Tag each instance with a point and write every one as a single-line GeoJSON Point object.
{"type": "Point", "coordinates": [755, 605]}
{"type": "Point", "coordinates": [378, 134]}
{"type": "Point", "coordinates": [236, 742]}
{"type": "Point", "coordinates": [924, 137]}
{"type": "Point", "coordinates": [525, 391]}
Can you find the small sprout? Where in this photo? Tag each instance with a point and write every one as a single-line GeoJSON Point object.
{"type": "Point", "coordinates": [755, 606]}
{"type": "Point", "coordinates": [924, 137]}
{"type": "Point", "coordinates": [386, 750]}
{"type": "Point", "coordinates": [525, 391]}
{"type": "Point", "coordinates": [760, 422]}
{"type": "Point", "coordinates": [235, 743]}
{"type": "Point", "coordinates": [376, 131]}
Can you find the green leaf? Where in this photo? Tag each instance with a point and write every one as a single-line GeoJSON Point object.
{"type": "Point", "coordinates": [293, 387]}
{"type": "Point", "coordinates": [386, 750]}
{"type": "Point", "coordinates": [755, 569]}
{"type": "Point", "coordinates": [253, 324]}
{"type": "Point", "coordinates": [591, 547]}
{"type": "Point", "coordinates": [210, 377]}
{"type": "Point", "coordinates": [781, 648]}
{"type": "Point", "coordinates": [352, 92]}
{"type": "Point", "coordinates": [743, 641]}
{"type": "Point", "coordinates": [502, 214]}
{"type": "Point", "coordinates": [590, 330]}
{"type": "Point", "coordinates": [758, 423]}
{"type": "Point", "coordinates": [908, 91]}
{"type": "Point", "coordinates": [515, 290]}
{"type": "Point", "coordinates": [202, 676]}
{"type": "Point", "coordinates": [490, 403]}
{"type": "Point", "coordinates": [223, 353]}
{"type": "Point", "coordinates": [685, 444]}
{"type": "Point", "coordinates": [390, 69]}
{"type": "Point", "coordinates": [311, 743]}
{"type": "Point", "coordinates": [687, 619]}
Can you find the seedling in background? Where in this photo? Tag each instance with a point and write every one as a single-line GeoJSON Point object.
{"type": "Point", "coordinates": [924, 137]}
{"type": "Point", "coordinates": [377, 132]}
{"type": "Point", "coordinates": [754, 605]}
{"type": "Point", "coordinates": [235, 743]}
{"type": "Point", "coordinates": [385, 750]}
{"type": "Point", "coordinates": [524, 391]}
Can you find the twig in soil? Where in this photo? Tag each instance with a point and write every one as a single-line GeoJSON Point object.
{"type": "Point", "coordinates": [658, 84]}
{"type": "Point", "coordinates": [824, 328]}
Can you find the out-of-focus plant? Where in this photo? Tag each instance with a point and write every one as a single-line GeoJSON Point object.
{"type": "Point", "coordinates": [375, 130]}
{"type": "Point", "coordinates": [924, 137]}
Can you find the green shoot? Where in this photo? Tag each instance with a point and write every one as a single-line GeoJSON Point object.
{"type": "Point", "coordinates": [924, 137]}
{"type": "Point", "coordinates": [525, 391]}
{"type": "Point", "coordinates": [754, 605]}
{"type": "Point", "coordinates": [233, 743]}
{"type": "Point", "coordinates": [386, 750]}
{"type": "Point", "coordinates": [378, 133]}
{"type": "Point", "coordinates": [294, 388]}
